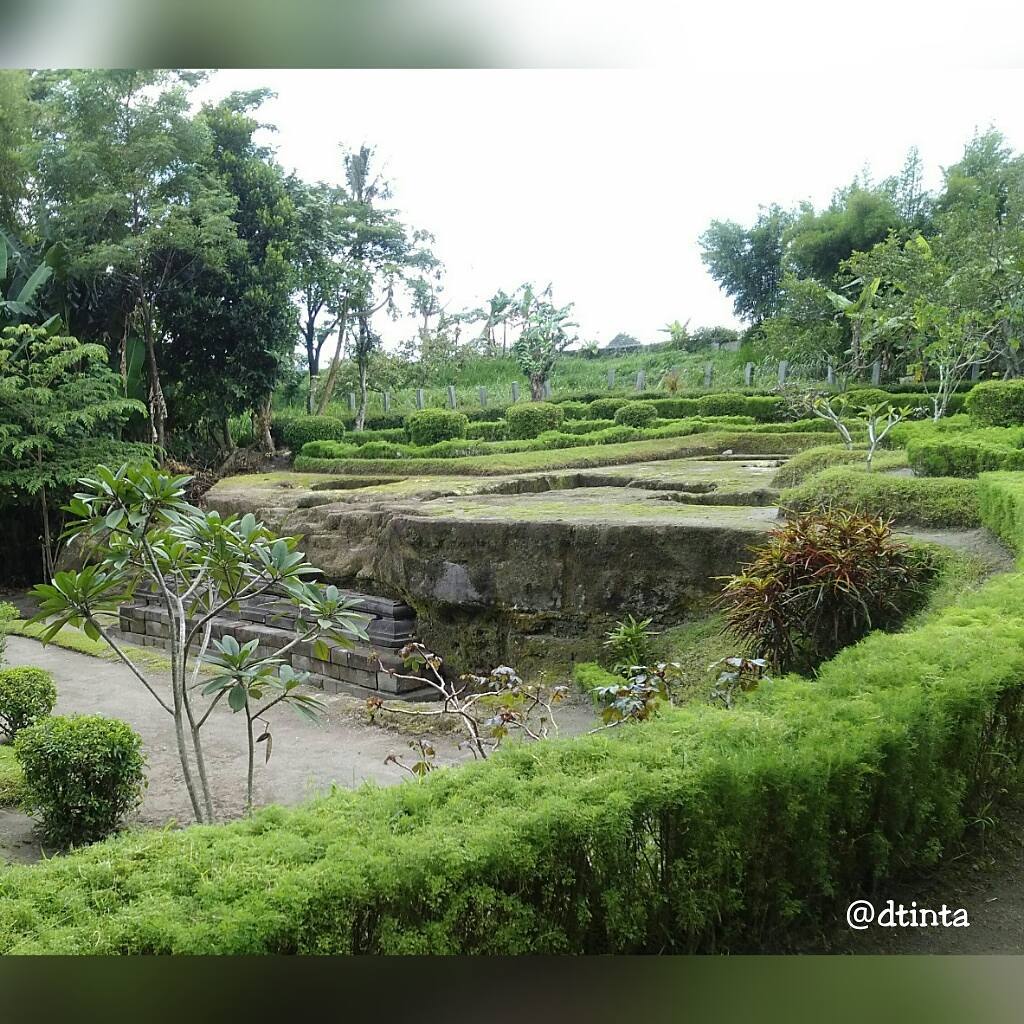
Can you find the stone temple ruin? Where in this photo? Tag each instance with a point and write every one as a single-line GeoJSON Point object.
{"type": "Point", "coordinates": [359, 669]}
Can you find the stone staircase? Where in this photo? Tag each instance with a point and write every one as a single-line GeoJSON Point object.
{"type": "Point", "coordinates": [360, 669]}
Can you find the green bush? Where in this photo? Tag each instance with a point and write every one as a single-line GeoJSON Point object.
{"type": "Point", "coordinates": [303, 429]}
{"type": "Point", "coordinates": [497, 431]}
{"type": "Point", "coordinates": [8, 613]}
{"type": "Point", "coordinates": [456, 448]}
{"type": "Point", "coordinates": [328, 450]}
{"type": "Point", "coordinates": [764, 408]}
{"type": "Point", "coordinates": [920, 501]}
{"type": "Point", "coordinates": [428, 426]}
{"type": "Point", "coordinates": [997, 403]}
{"type": "Point", "coordinates": [378, 450]}
{"type": "Point", "coordinates": [813, 460]}
{"type": "Point", "coordinates": [532, 419]}
{"type": "Point", "coordinates": [822, 581]}
{"type": "Point", "coordinates": [82, 775]}
{"type": "Point", "coordinates": [586, 426]}
{"type": "Point", "coordinates": [27, 694]}
{"type": "Point", "coordinates": [574, 410]}
{"type": "Point", "coordinates": [605, 408]}
{"type": "Point", "coordinates": [636, 414]}
{"type": "Point", "coordinates": [1001, 506]}
{"type": "Point", "coordinates": [676, 408]}
{"type": "Point", "coordinates": [965, 453]}
{"type": "Point", "coordinates": [395, 434]}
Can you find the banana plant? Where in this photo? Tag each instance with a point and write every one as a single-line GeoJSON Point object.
{"type": "Point", "coordinates": [21, 283]}
{"type": "Point", "coordinates": [857, 312]}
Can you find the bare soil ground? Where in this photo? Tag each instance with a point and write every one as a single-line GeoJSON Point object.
{"type": "Point", "coordinates": [344, 750]}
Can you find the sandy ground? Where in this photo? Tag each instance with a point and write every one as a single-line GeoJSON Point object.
{"type": "Point", "coordinates": [308, 758]}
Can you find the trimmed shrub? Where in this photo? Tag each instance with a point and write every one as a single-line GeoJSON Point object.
{"type": "Point", "coordinates": [532, 419]}
{"type": "Point", "coordinates": [303, 429]}
{"type": "Point", "coordinates": [997, 403]}
{"type": "Point", "coordinates": [574, 410]}
{"type": "Point", "coordinates": [675, 408]}
{"type": "Point", "coordinates": [586, 426]}
{"type": "Point", "coordinates": [27, 694]}
{"type": "Point", "coordinates": [82, 775]}
{"type": "Point", "coordinates": [394, 434]}
{"type": "Point", "coordinates": [1001, 506]}
{"type": "Point", "coordinates": [920, 501]}
{"type": "Point", "coordinates": [938, 453]}
{"type": "Point", "coordinates": [605, 408]}
{"type": "Point", "coordinates": [813, 460]}
{"type": "Point", "coordinates": [428, 426]}
{"type": "Point", "coordinates": [497, 431]}
{"type": "Point", "coordinates": [765, 409]}
{"type": "Point", "coordinates": [636, 414]}
{"type": "Point", "coordinates": [378, 450]}
{"type": "Point", "coordinates": [486, 414]}
{"type": "Point", "coordinates": [328, 450]}
{"type": "Point", "coordinates": [454, 449]}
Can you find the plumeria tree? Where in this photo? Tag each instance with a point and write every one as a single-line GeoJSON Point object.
{"type": "Point", "coordinates": [140, 532]}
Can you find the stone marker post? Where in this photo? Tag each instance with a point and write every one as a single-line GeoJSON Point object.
{"type": "Point", "coordinates": [876, 372]}
{"type": "Point", "coordinates": [482, 392]}
{"type": "Point", "coordinates": [351, 401]}
{"type": "Point", "coordinates": [709, 372]}
{"type": "Point", "coordinates": [515, 392]}
{"type": "Point", "coordinates": [748, 374]}
{"type": "Point", "coordinates": [611, 378]}
{"type": "Point", "coordinates": [387, 402]}
{"type": "Point", "coordinates": [641, 380]}
{"type": "Point", "coordinates": [830, 376]}
{"type": "Point", "coordinates": [783, 370]}
{"type": "Point", "coordinates": [548, 391]}
{"type": "Point", "coordinates": [419, 398]}
{"type": "Point", "coordinates": [975, 371]}
{"type": "Point", "coordinates": [451, 396]}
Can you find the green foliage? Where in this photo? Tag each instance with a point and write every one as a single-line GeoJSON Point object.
{"type": "Point", "coordinates": [546, 333]}
{"type": "Point", "coordinates": [328, 450]}
{"type": "Point", "coordinates": [8, 613]}
{"type": "Point", "coordinates": [813, 460]}
{"type": "Point", "coordinates": [606, 408]}
{"type": "Point", "coordinates": [916, 501]}
{"type": "Point", "coordinates": [11, 779]}
{"type": "Point", "coordinates": [300, 430]}
{"type": "Point", "coordinates": [26, 695]}
{"type": "Point", "coordinates": [488, 431]}
{"type": "Point", "coordinates": [824, 580]}
{"type": "Point", "coordinates": [532, 419]}
{"type": "Point", "coordinates": [379, 450]}
{"type": "Point", "coordinates": [82, 776]}
{"type": "Point", "coordinates": [629, 643]}
{"type": "Point", "coordinates": [636, 414]}
{"type": "Point", "coordinates": [574, 410]}
{"type": "Point", "coordinates": [997, 403]}
{"type": "Point", "coordinates": [1001, 506]}
{"type": "Point", "coordinates": [899, 741]}
{"type": "Point", "coordinates": [763, 408]}
{"type": "Point", "coordinates": [428, 426]}
{"type": "Point", "coordinates": [964, 452]}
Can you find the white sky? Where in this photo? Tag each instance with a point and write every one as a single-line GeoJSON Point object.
{"type": "Point", "coordinates": [600, 181]}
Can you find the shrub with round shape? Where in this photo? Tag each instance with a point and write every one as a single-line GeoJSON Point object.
{"type": "Point", "coordinates": [605, 408]}
{"type": "Point", "coordinates": [636, 414]}
{"type": "Point", "coordinates": [428, 426]}
{"type": "Point", "coordinates": [997, 403]}
{"type": "Point", "coordinates": [532, 419]}
{"type": "Point", "coordinates": [303, 429]}
{"type": "Point", "coordinates": [27, 694]}
{"type": "Point", "coordinates": [82, 776]}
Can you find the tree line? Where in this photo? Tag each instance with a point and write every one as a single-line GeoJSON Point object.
{"type": "Point", "coordinates": [929, 283]}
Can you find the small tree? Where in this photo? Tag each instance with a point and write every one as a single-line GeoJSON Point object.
{"type": "Point", "coordinates": [144, 534]}
{"type": "Point", "coordinates": [546, 334]}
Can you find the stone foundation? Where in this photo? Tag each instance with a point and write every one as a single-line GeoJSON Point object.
{"type": "Point", "coordinates": [358, 668]}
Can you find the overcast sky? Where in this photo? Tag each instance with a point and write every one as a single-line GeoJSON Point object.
{"type": "Point", "coordinates": [600, 181]}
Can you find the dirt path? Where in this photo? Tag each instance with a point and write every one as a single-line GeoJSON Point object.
{"type": "Point", "coordinates": [308, 758]}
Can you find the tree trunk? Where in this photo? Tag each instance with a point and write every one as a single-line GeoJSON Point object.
{"type": "Point", "coordinates": [157, 402]}
{"type": "Point", "coordinates": [313, 362]}
{"type": "Point", "coordinates": [537, 387]}
{"type": "Point", "coordinates": [361, 415]}
{"type": "Point", "coordinates": [855, 356]}
{"type": "Point", "coordinates": [261, 419]}
{"type": "Point", "coordinates": [332, 373]}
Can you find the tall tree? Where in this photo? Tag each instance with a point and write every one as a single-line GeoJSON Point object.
{"type": "Point", "coordinates": [546, 333]}
{"type": "Point", "coordinates": [230, 323]}
{"type": "Point", "coordinates": [747, 262]}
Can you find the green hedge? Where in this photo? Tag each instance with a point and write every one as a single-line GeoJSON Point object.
{"type": "Point", "coordinates": [997, 403]}
{"type": "Point", "coordinates": [428, 426]}
{"type": "Point", "coordinates": [301, 430]}
{"type": "Point", "coordinates": [813, 460]}
{"type": "Point", "coordinates": [966, 453]}
{"type": "Point", "coordinates": [673, 836]}
{"type": "Point", "coordinates": [488, 431]}
{"type": "Point", "coordinates": [636, 414]}
{"type": "Point", "coordinates": [919, 501]}
{"type": "Point", "coordinates": [532, 419]}
{"type": "Point", "coordinates": [1001, 505]}
{"type": "Point", "coordinates": [12, 782]}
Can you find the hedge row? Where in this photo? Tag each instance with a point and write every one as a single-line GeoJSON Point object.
{"type": "Point", "coordinates": [965, 453]}
{"type": "Point", "coordinates": [997, 403]}
{"type": "Point", "coordinates": [670, 836]}
{"type": "Point", "coordinates": [919, 501]}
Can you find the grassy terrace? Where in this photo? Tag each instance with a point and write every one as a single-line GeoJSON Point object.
{"type": "Point", "coordinates": [749, 443]}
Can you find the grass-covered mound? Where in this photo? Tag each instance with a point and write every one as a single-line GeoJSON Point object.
{"type": "Point", "coordinates": [916, 501]}
{"type": "Point", "coordinates": [11, 780]}
{"type": "Point", "coordinates": [813, 460]}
